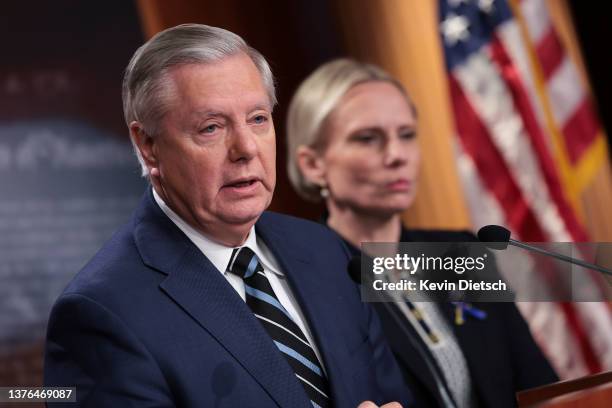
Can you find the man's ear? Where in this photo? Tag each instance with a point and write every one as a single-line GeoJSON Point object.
{"type": "Point", "coordinates": [312, 165]}
{"type": "Point", "coordinates": [146, 146]}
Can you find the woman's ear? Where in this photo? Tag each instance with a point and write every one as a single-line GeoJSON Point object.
{"type": "Point", "coordinates": [312, 165]}
{"type": "Point", "coordinates": [146, 146]}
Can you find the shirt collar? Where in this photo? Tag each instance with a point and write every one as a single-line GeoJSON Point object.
{"type": "Point", "coordinates": [219, 255]}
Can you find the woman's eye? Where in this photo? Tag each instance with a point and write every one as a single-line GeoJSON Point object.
{"type": "Point", "coordinates": [408, 135]}
{"type": "Point", "coordinates": [365, 138]}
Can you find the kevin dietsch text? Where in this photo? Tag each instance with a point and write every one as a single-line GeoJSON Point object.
{"type": "Point", "coordinates": [427, 285]}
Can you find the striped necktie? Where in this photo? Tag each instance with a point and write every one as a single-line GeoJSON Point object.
{"type": "Point", "coordinates": [285, 333]}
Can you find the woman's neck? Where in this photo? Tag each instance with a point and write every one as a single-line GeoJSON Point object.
{"type": "Point", "coordinates": [360, 227]}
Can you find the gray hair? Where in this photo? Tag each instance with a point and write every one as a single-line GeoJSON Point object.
{"type": "Point", "coordinates": [145, 90]}
{"type": "Point", "coordinates": [314, 101]}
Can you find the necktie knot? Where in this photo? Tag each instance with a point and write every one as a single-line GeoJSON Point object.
{"type": "Point", "coordinates": [244, 262]}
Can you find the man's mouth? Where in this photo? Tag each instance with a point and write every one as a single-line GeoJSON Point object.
{"type": "Point", "coordinates": [241, 183]}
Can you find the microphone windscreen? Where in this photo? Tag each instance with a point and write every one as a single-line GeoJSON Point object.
{"type": "Point", "coordinates": [494, 236]}
{"type": "Point", "coordinates": [354, 269]}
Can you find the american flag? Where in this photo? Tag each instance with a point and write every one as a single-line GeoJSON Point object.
{"type": "Point", "coordinates": [528, 143]}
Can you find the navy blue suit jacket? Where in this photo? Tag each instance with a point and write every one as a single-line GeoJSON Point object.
{"type": "Point", "coordinates": [150, 322]}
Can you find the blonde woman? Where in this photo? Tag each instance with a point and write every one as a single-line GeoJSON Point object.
{"type": "Point", "coordinates": [352, 143]}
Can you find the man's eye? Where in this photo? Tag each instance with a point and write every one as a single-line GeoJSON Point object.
{"type": "Point", "coordinates": [209, 129]}
{"type": "Point", "coordinates": [259, 119]}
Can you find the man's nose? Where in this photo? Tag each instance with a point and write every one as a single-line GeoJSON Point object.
{"type": "Point", "coordinates": [242, 144]}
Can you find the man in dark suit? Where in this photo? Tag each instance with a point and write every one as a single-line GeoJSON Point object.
{"type": "Point", "coordinates": [203, 299]}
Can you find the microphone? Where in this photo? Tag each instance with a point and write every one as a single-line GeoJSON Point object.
{"type": "Point", "coordinates": [354, 271]}
{"type": "Point", "coordinates": [498, 238]}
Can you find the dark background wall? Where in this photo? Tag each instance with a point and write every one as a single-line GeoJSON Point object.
{"type": "Point", "coordinates": [594, 30]}
{"type": "Point", "coordinates": [67, 175]}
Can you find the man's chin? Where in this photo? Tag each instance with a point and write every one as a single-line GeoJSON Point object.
{"type": "Point", "coordinates": [246, 220]}
{"type": "Point", "coordinates": [243, 216]}
{"type": "Point", "coordinates": [242, 213]}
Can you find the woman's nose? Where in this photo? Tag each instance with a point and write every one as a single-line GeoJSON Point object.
{"type": "Point", "coordinates": [395, 153]}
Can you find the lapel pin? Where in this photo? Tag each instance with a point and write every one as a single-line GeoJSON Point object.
{"type": "Point", "coordinates": [463, 308]}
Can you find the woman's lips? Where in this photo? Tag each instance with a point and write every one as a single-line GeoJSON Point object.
{"type": "Point", "coordinates": [399, 185]}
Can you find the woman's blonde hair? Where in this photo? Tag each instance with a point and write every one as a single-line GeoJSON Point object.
{"type": "Point", "coordinates": [312, 104]}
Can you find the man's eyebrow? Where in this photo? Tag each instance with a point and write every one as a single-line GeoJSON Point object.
{"type": "Point", "coordinates": [262, 106]}
{"type": "Point", "coordinates": [211, 113]}
{"type": "Point", "coordinates": [208, 113]}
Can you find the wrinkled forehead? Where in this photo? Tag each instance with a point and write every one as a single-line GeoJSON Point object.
{"type": "Point", "coordinates": [230, 83]}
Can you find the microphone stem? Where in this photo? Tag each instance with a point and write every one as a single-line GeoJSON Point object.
{"type": "Point", "coordinates": [560, 257]}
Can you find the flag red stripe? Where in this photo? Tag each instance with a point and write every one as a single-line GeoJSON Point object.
{"type": "Point", "coordinates": [580, 130]}
{"type": "Point", "coordinates": [521, 102]}
{"type": "Point", "coordinates": [550, 53]}
{"type": "Point", "coordinates": [492, 168]}
{"type": "Point", "coordinates": [580, 334]}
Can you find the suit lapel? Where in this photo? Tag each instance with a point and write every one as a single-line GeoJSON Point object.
{"type": "Point", "coordinates": [407, 352]}
{"type": "Point", "coordinates": [202, 292]}
{"type": "Point", "coordinates": [313, 296]}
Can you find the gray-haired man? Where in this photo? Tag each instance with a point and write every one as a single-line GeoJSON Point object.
{"type": "Point", "coordinates": [203, 298]}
